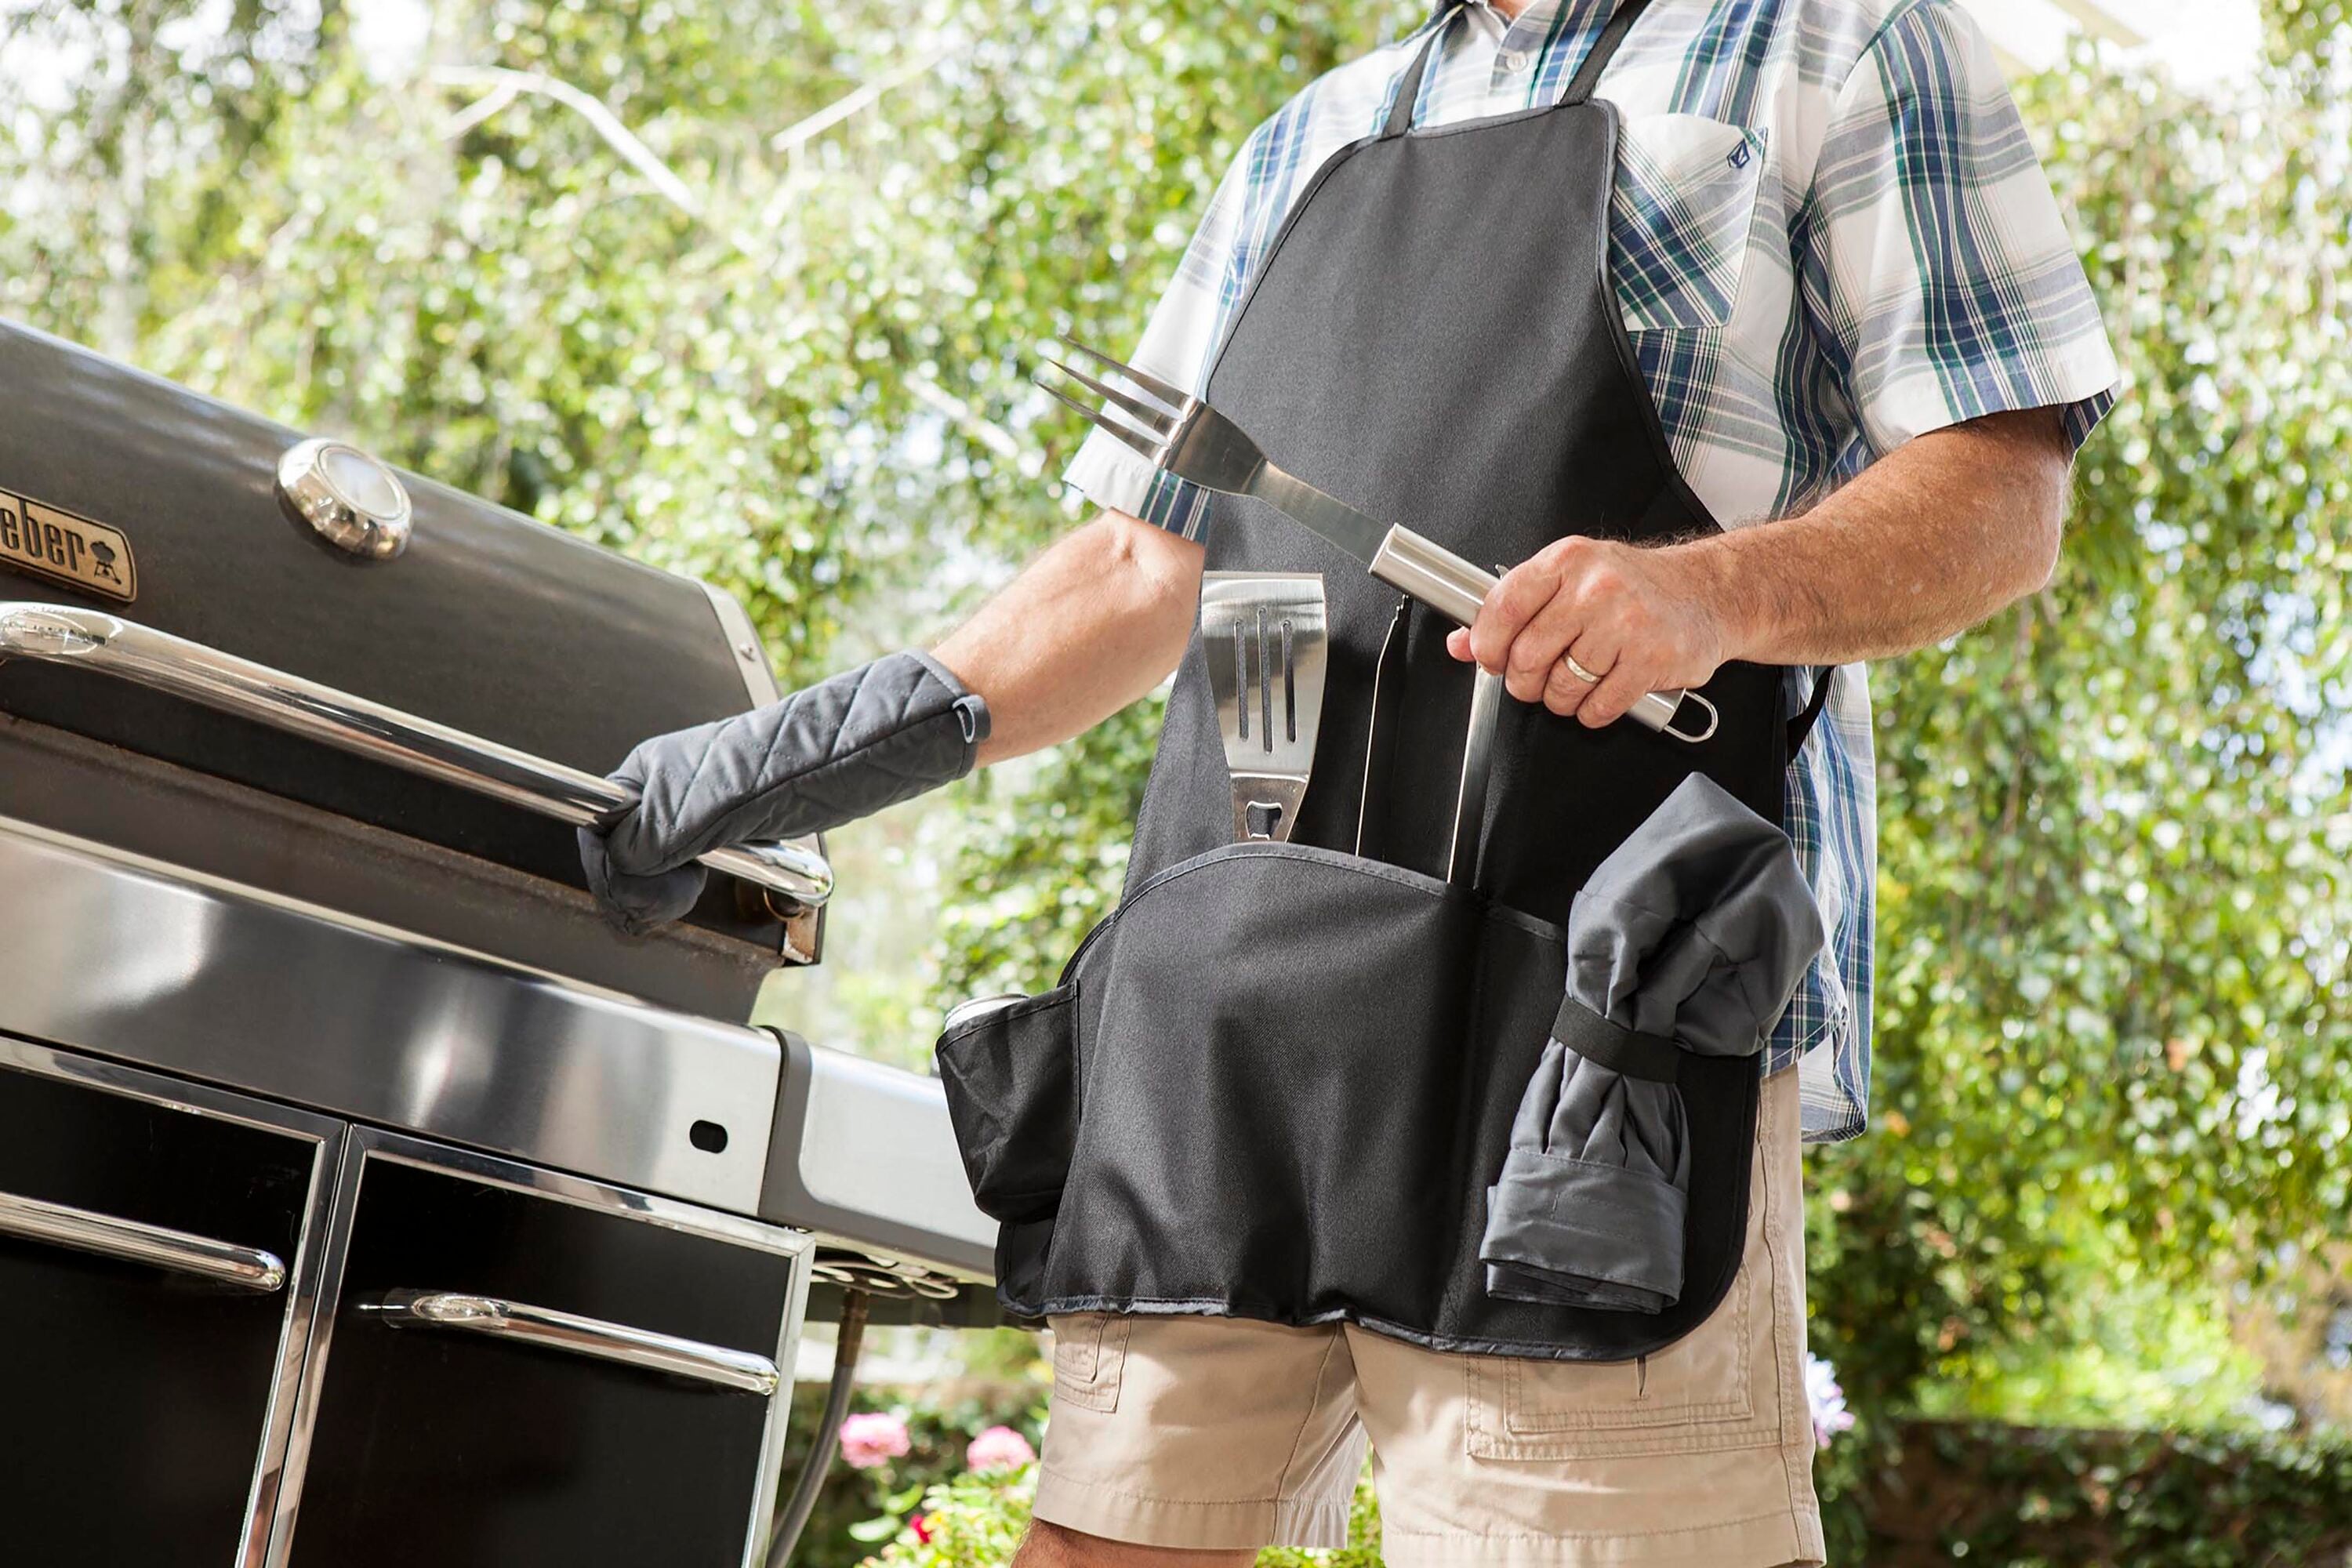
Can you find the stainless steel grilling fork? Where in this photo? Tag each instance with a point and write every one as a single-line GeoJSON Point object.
{"type": "Point", "coordinates": [1184, 435]}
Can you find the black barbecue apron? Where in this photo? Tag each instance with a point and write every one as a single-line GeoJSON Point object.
{"type": "Point", "coordinates": [1278, 1081]}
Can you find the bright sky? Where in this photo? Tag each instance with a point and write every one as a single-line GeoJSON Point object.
{"type": "Point", "coordinates": [2203, 41]}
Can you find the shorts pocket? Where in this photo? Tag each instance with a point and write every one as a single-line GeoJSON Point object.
{"type": "Point", "coordinates": [1680, 216]}
{"type": "Point", "coordinates": [1697, 1393]}
{"type": "Point", "coordinates": [1090, 1359]}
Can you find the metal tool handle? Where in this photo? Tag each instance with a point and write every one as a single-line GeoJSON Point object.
{"type": "Point", "coordinates": [550, 1329]}
{"type": "Point", "coordinates": [1477, 767]}
{"type": "Point", "coordinates": [1416, 564]}
{"type": "Point", "coordinates": [92, 639]}
{"type": "Point", "coordinates": [132, 1241]}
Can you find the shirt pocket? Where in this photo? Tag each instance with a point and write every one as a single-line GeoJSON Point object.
{"type": "Point", "coordinates": [1680, 216]}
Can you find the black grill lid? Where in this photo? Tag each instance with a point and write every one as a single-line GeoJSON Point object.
{"type": "Point", "coordinates": [486, 621]}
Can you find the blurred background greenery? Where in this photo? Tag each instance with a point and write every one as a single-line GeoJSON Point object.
{"type": "Point", "coordinates": [749, 289]}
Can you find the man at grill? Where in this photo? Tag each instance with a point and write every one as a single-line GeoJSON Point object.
{"type": "Point", "coordinates": [1752, 339]}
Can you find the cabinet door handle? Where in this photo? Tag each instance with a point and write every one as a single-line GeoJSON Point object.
{"type": "Point", "coordinates": [108, 1236]}
{"type": "Point", "coordinates": [552, 1329]}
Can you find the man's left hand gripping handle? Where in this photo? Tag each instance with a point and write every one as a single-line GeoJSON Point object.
{"type": "Point", "coordinates": [845, 748]}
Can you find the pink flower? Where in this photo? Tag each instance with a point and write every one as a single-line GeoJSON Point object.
{"type": "Point", "coordinates": [921, 1525]}
{"type": "Point", "coordinates": [999, 1448]}
{"type": "Point", "coordinates": [872, 1439]}
{"type": "Point", "coordinates": [1821, 1391]}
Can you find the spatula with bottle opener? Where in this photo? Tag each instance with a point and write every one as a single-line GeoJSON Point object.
{"type": "Point", "coordinates": [1265, 640]}
{"type": "Point", "coordinates": [1185, 436]}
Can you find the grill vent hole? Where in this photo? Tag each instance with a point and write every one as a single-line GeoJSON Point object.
{"type": "Point", "coordinates": [708, 1136]}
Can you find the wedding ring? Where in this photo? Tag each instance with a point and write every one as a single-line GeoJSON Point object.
{"type": "Point", "coordinates": [1579, 670]}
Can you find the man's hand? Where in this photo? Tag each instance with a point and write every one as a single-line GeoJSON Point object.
{"type": "Point", "coordinates": [1638, 620]}
{"type": "Point", "coordinates": [1928, 542]}
{"type": "Point", "coordinates": [1095, 623]}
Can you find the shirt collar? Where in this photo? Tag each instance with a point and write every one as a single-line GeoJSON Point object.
{"type": "Point", "coordinates": [1535, 24]}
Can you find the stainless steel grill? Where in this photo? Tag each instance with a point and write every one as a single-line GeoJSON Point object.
{"type": "Point", "coordinates": [370, 1200]}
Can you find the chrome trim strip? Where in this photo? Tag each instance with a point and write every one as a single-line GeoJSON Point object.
{"type": "Point", "coordinates": [573, 1334]}
{"type": "Point", "coordinates": [318, 1242]}
{"type": "Point", "coordinates": [288, 1506]}
{"type": "Point", "coordinates": [743, 642]}
{"type": "Point", "coordinates": [269, 1476]}
{"type": "Point", "coordinates": [109, 954]}
{"type": "Point", "coordinates": [771, 1467]}
{"type": "Point", "coordinates": [398, 1149]}
{"type": "Point", "coordinates": [131, 1241]}
{"type": "Point", "coordinates": [92, 639]}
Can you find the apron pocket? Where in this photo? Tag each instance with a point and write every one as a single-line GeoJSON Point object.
{"type": "Point", "coordinates": [1011, 1078]}
{"type": "Point", "coordinates": [1298, 1071]}
{"type": "Point", "coordinates": [1287, 1089]}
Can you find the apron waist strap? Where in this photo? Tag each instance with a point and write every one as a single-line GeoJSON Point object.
{"type": "Point", "coordinates": [1597, 1040]}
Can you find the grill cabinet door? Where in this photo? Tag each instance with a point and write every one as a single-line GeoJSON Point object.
{"type": "Point", "coordinates": [440, 1439]}
{"type": "Point", "coordinates": [154, 1303]}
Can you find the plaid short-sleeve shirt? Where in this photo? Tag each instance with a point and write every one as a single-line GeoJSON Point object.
{"type": "Point", "coordinates": [1830, 234]}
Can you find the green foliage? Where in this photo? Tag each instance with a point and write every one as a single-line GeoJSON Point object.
{"type": "Point", "coordinates": [2122, 1354]}
{"type": "Point", "coordinates": [1044, 865]}
{"type": "Point", "coordinates": [2311, 29]}
{"type": "Point", "coordinates": [855, 1509]}
{"type": "Point", "coordinates": [976, 1522]}
{"type": "Point", "coordinates": [965, 1522]}
{"type": "Point", "coordinates": [2005, 1497]}
{"type": "Point", "coordinates": [2113, 1034]}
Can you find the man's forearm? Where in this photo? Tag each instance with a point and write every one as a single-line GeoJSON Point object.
{"type": "Point", "coordinates": [1929, 539]}
{"type": "Point", "coordinates": [1923, 545]}
{"type": "Point", "coordinates": [1095, 623]}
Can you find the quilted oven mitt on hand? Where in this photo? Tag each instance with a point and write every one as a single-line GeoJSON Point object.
{"type": "Point", "coordinates": [843, 749]}
{"type": "Point", "coordinates": [1693, 933]}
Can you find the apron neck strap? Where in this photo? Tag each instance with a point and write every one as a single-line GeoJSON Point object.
{"type": "Point", "coordinates": [1604, 50]}
{"type": "Point", "coordinates": [1587, 75]}
{"type": "Point", "coordinates": [1408, 86]}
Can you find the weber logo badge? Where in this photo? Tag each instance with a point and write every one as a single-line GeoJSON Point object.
{"type": "Point", "coordinates": [72, 549]}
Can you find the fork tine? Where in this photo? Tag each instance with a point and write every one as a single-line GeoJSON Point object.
{"type": "Point", "coordinates": [1158, 421]}
{"type": "Point", "coordinates": [1173, 398]}
{"type": "Point", "coordinates": [1103, 421]}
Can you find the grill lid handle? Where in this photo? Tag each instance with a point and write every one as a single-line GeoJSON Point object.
{"type": "Point", "coordinates": [797, 870]}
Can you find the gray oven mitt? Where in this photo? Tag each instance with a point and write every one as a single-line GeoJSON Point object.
{"type": "Point", "coordinates": [843, 749]}
{"type": "Point", "coordinates": [1693, 934]}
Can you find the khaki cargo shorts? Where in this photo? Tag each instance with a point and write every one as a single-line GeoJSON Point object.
{"type": "Point", "coordinates": [1227, 1433]}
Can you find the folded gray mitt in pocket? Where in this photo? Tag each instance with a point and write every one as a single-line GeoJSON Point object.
{"type": "Point", "coordinates": [1691, 937]}
{"type": "Point", "coordinates": [843, 749]}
